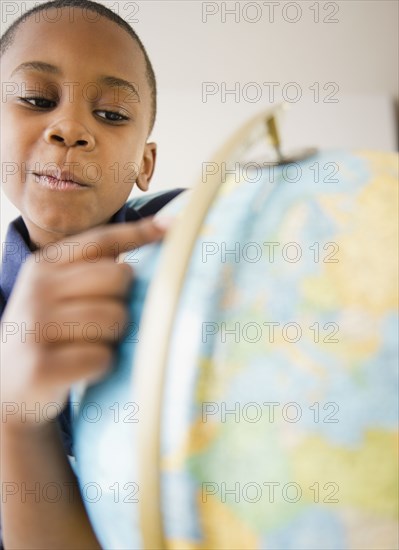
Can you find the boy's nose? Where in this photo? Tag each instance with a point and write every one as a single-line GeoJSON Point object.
{"type": "Point", "coordinates": [68, 133]}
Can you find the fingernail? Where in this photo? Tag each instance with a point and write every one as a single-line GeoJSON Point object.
{"type": "Point", "coordinates": [163, 222]}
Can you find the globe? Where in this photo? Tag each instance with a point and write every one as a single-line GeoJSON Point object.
{"type": "Point", "coordinates": [276, 422]}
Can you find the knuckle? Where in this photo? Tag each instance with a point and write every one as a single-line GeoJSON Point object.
{"type": "Point", "coordinates": [120, 311]}
{"type": "Point", "coordinates": [126, 274]}
{"type": "Point", "coordinates": [38, 278]}
{"type": "Point", "coordinates": [42, 360]}
{"type": "Point", "coordinates": [99, 358]}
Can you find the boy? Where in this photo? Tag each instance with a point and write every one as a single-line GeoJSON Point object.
{"type": "Point", "coordinates": [79, 106]}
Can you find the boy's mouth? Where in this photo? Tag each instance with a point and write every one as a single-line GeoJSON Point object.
{"type": "Point", "coordinates": [59, 182]}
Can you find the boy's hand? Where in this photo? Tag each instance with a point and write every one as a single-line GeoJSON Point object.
{"type": "Point", "coordinates": [64, 318]}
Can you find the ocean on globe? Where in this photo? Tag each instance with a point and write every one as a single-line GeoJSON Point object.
{"type": "Point", "coordinates": [280, 402]}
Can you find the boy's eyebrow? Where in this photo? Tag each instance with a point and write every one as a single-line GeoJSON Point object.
{"type": "Point", "coordinates": [37, 66]}
{"type": "Point", "coordinates": [116, 82]}
{"type": "Point", "coordinates": [110, 81]}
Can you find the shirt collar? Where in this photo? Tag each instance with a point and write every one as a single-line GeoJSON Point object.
{"type": "Point", "coordinates": [15, 252]}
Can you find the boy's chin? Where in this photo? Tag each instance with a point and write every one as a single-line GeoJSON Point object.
{"type": "Point", "coordinates": [50, 229]}
{"type": "Point", "coordinates": [52, 222]}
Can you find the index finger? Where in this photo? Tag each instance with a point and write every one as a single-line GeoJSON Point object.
{"type": "Point", "coordinates": [107, 241]}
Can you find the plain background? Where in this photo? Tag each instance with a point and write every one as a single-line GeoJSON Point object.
{"type": "Point", "coordinates": [346, 50]}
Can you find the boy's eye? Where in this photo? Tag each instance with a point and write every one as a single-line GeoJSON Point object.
{"type": "Point", "coordinates": [112, 116]}
{"type": "Point", "coordinates": [39, 102]}
{"type": "Point", "coordinates": [43, 103]}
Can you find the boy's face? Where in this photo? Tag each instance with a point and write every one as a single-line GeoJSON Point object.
{"type": "Point", "coordinates": [70, 123]}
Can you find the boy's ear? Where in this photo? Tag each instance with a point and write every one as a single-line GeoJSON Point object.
{"type": "Point", "coordinates": [147, 166]}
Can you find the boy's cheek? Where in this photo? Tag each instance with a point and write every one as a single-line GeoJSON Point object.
{"type": "Point", "coordinates": [14, 151]}
{"type": "Point", "coordinates": [11, 182]}
{"type": "Point", "coordinates": [13, 174]}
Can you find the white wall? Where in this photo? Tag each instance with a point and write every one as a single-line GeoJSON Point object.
{"type": "Point", "coordinates": [189, 47]}
{"type": "Point", "coordinates": [357, 55]}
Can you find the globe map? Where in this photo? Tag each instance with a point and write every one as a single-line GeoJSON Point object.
{"type": "Point", "coordinates": [279, 413]}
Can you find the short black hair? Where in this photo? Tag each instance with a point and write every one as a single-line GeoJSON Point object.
{"type": "Point", "coordinates": [8, 37]}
